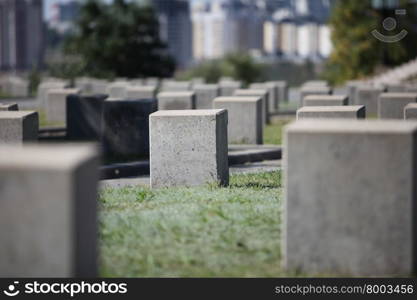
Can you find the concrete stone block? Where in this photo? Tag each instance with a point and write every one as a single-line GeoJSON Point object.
{"type": "Point", "coordinates": [84, 117]}
{"type": "Point", "coordinates": [314, 90]}
{"type": "Point", "coordinates": [391, 105]}
{"type": "Point", "coordinates": [332, 112]}
{"type": "Point", "coordinates": [176, 100]}
{"type": "Point", "coordinates": [325, 100]}
{"type": "Point", "coordinates": [56, 106]}
{"type": "Point", "coordinates": [272, 94]}
{"type": "Point", "coordinates": [350, 197]}
{"type": "Point", "coordinates": [188, 148]}
{"type": "Point", "coordinates": [43, 91]}
{"type": "Point", "coordinates": [205, 94]}
{"type": "Point", "coordinates": [351, 87]}
{"type": "Point", "coordinates": [17, 127]}
{"type": "Point", "coordinates": [257, 93]}
{"type": "Point", "coordinates": [396, 88]}
{"type": "Point", "coordinates": [176, 86]}
{"type": "Point", "coordinates": [9, 107]}
{"type": "Point", "coordinates": [228, 88]}
{"type": "Point", "coordinates": [410, 111]}
{"type": "Point", "coordinates": [317, 83]}
{"type": "Point", "coordinates": [118, 89]}
{"type": "Point", "coordinates": [48, 211]}
{"type": "Point", "coordinates": [141, 92]}
{"type": "Point", "coordinates": [245, 119]}
{"type": "Point", "coordinates": [368, 96]}
{"type": "Point", "coordinates": [126, 127]}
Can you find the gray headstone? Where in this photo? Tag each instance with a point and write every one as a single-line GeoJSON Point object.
{"type": "Point", "coordinates": [9, 107]}
{"type": "Point", "coordinates": [350, 197]}
{"type": "Point", "coordinates": [56, 106]}
{"type": "Point", "coordinates": [331, 112]}
{"type": "Point", "coordinates": [205, 94]}
{"type": "Point", "coordinates": [188, 148]}
{"type": "Point", "coordinates": [264, 94]}
{"type": "Point", "coordinates": [245, 119]}
{"type": "Point", "coordinates": [391, 105]}
{"type": "Point", "coordinates": [176, 100]}
{"type": "Point", "coordinates": [410, 111]}
{"type": "Point", "coordinates": [325, 100]}
{"type": "Point", "coordinates": [17, 127]}
{"type": "Point", "coordinates": [368, 96]}
{"type": "Point", "coordinates": [48, 211]}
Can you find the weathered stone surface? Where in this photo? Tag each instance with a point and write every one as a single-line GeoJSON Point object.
{"type": "Point", "coordinates": [350, 198]}
{"type": "Point", "coordinates": [9, 107]}
{"type": "Point", "coordinates": [141, 92]}
{"type": "Point", "coordinates": [368, 96]}
{"type": "Point", "coordinates": [245, 119]}
{"type": "Point", "coordinates": [396, 88]}
{"type": "Point", "coordinates": [317, 83]}
{"type": "Point", "coordinates": [48, 211]}
{"type": "Point", "coordinates": [188, 148]}
{"type": "Point", "coordinates": [307, 90]}
{"type": "Point", "coordinates": [176, 100]}
{"type": "Point", "coordinates": [84, 117]}
{"type": "Point", "coordinates": [205, 94]}
{"type": "Point", "coordinates": [351, 87]}
{"type": "Point", "coordinates": [126, 127]}
{"type": "Point", "coordinates": [391, 105]}
{"type": "Point", "coordinates": [118, 89]}
{"type": "Point", "coordinates": [228, 88]}
{"type": "Point", "coordinates": [272, 94]}
{"type": "Point", "coordinates": [17, 127]}
{"type": "Point", "coordinates": [331, 112]}
{"type": "Point", "coordinates": [176, 86]}
{"type": "Point", "coordinates": [42, 94]}
{"type": "Point", "coordinates": [56, 106]}
{"type": "Point", "coordinates": [410, 111]}
{"type": "Point", "coordinates": [257, 93]}
{"type": "Point", "coordinates": [325, 100]}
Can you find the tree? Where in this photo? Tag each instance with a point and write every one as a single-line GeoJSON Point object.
{"type": "Point", "coordinates": [357, 53]}
{"type": "Point", "coordinates": [121, 39]}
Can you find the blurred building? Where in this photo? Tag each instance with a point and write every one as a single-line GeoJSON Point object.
{"type": "Point", "coordinates": [21, 34]}
{"type": "Point", "coordinates": [224, 26]}
{"type": "Point", "coordinates": [175, 27]}
{"type": "Point", "coordinates": [63, 15]}
{"type": "Point", "coordinates": [298, 30]}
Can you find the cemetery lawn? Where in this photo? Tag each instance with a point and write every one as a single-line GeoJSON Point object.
{"type": "Point", "coordinates": [273, 133]}
{"type": "Point", "coordinates": [193, 232]}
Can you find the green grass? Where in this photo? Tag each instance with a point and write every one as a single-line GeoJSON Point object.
{"type": "Point", "coordinates": [273, 132]}
{"type": "Point", "coordinates": [193, 232]}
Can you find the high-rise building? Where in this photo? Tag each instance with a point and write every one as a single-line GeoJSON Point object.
{"type": "Point", "coordinates": [63, 15]}
{"type": "Point", "coordinates": [21, 34]}
{"type": "Point", "coordinates": [175, 26]}
{"type": "Point", "coordinates": [224, 26]}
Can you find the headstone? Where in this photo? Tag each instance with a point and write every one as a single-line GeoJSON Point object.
{"type": "Point", "coordinates": [396, 88]}
{"type": "Point", "coordinates": [350, 198]}
{"type": "Point", "coordinates": [188, 148]}
{"type": "Point", "coordinates": [245, 119]}
{"type": "Point", "coordinates": [272, 94]}
{"type": "Point", "coordinates": [56, 106]}
{"type": "Point", "coordinates": [325, 100]}
{"type": "Point", "coordinates": [141, 92]}
{"type": "Point", "coordinates": [118, 89]}
{"type": "Point", "coordinates": [307, 90]}
{"type": "Point", "coordinates": [176, 86]}
{"type": "Point", "coordinates": [48, 211]}
{"type": "Point", "coordinates": [281, 92]}
{"type": "Point", "coordinates": [317, 83]}
{"type": "Point", "coordinates": [126, 127]}
{"type": "Point", "coordinates": [257, 93]}
{"type": "Point", "coordinates": [99, 87]}
{"type": "Point", "coordinates": [84, 117]}
{"type": "Point", "coordinates": [410, 111]}
{"type": "Point", "coordinates": [43, 89]}
{"type": "Point", "coordinates": [331, 112]}
{"type": "Point", "coordinates": [9, 107]}
{"type": "Point", "coordinates": [228, 88]}
{"type": "Point", "coordinates": [391, 105]}
{"type": "Point", "coordinates": [176, 100]}
{"type": "Point", "coordinates": [351, 87]}
{"type": "Point", "coordinates": [368, 96]}
{"type": "Point", "coordinates": [17, 127]}
{"type": "Point", "coordinates": [205, 94]}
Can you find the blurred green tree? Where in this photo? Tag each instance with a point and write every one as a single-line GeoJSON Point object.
{"type": "Point", "coordinates": [240, 66]}
{"type": "Point", "coordinates": [357, 53]}
{"type": "Point", "coordinates": [121, 38]}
